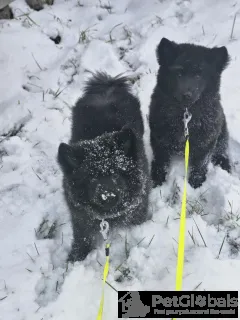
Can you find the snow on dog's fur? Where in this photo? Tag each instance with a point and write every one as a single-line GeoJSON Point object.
{"type": "Point", "coordinates": [105, 166]}
{"type": "Point", "coordinates": [189, 76]}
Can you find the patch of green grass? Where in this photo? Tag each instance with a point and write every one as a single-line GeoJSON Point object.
{"type": "Point", "coordinates": [85, 36]}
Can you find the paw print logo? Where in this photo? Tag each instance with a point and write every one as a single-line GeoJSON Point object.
{"type": "Point", "coordinates": [132, 305]}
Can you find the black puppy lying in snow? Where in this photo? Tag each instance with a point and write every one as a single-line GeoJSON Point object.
{"type": "Point", "coordinates": [104, 166]}
{"type": "Point", "coordinates": [189, 76]}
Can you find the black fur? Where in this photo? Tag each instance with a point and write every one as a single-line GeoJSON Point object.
{"type": "Point", "coordinates": [105, 167]}
{"type": "Point", "coordinates": [189, 76]}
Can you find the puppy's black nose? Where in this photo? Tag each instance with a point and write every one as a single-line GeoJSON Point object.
{"type": "Point", "coordinates": [187, 95]}
{"type": "Point", "coordinates": [108, 198]}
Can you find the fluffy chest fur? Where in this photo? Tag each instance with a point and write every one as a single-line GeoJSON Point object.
{"type": "Point", "coordinates": [167, 126]}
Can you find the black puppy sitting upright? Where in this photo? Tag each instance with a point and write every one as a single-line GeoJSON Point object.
{"type": "Point", "coordinates": [105, 167]}
{"type": "Point", "coordinates": [188, 77]}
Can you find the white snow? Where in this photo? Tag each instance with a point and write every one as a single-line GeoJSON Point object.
{"type": "Point", "coordinates": [34, 281]}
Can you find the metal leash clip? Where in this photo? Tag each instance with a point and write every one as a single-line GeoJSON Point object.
{"type": "Point", "coordinates": [186, 118]}
{"type": "Point", "coordinates": [104, 229]}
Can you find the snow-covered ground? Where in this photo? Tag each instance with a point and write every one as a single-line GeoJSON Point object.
{"type": "Point", "coordinates": [39, 83]}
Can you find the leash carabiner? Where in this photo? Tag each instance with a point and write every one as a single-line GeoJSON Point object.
{"type": "Point", "coordinates": [104, 229]}
{"type": "Point", "coordinates": [182, 227]}
{"type": "Point", "coordinates": [186, 118]}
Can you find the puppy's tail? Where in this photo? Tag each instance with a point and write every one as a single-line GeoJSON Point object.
{"type": "Point", "coordinates": [101, 82]}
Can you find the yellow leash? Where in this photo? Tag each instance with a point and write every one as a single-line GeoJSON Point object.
{"type": "Point", "coordinates": [181, 242]}
{"type": "Point", "coordinates": [104, 230]}
{"type": "Point", "coordinates": [181, 239]}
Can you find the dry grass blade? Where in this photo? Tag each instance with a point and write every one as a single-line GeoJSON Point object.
{"type": "Point", "coordinates": [1, 299]}
{"type": "Point", "coordinates": [36, 248]}
{"type": "Point", "coordinates": [167, 222]}
{"type": "Point", "coordinates": [37, 63]}
{"type": "Point", "coordinates": [140, 241]}
{"type": "Point", "coordinates": [174, 251]}
{"type": "Point", "coordinates": [30, 257]}
{"type": "Point", "coordinates": [99, 263]}
{"type": "Point", "coordinates": [111, 286]}
{"type": "Point", "coordinates": [233, 25]}
{"type": "Point", "coordinates": [37, 310]}
{"type": "Point", "coordinates": [36, 174]}
{"type": "Point", "coordinates": [151, 240]}
{"type": "Point", "coordinates": [27, 16]}
{"type": "Point", "coordinates": [192, 238]}
{"type": "Point", "coordinates": [200, 233]}
{"type": "Point", "coordinates": [110, 33]}
{"type": "Point", "coordinates": [221, 247]}
{"type": "Point", "coordinates": [119, 266]}
{"type": "Point", "coordinates": [175, 240]}
{"type": "Point", "coordinates": [197, 286]}
{"type": "Point", "coordinates": [59, 92]}
{"type": "Point", "coordinates": [126, 247]}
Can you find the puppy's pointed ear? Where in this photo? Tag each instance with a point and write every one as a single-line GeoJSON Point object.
{"type": "Point", "coordinates": [69, 158]}
{"type": "Point", "coordinates": [219, 58]}
{"type": "Point", "coordinates": [166, 52]}
{"type": "Point", "coordinates": [126, 140]}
